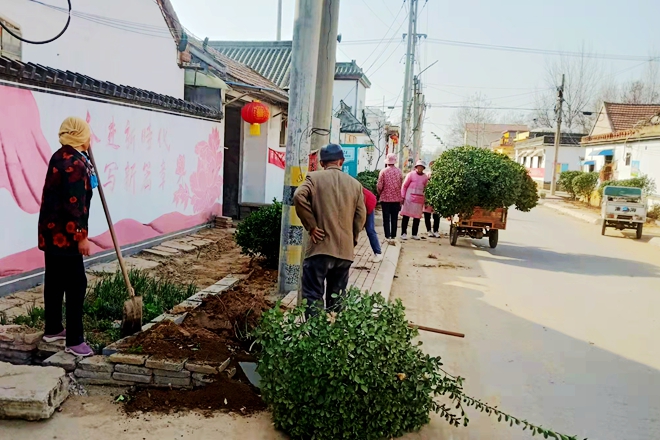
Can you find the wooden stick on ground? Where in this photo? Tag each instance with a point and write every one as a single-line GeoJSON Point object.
{"type": "Point", "coordinates": [437, 330]}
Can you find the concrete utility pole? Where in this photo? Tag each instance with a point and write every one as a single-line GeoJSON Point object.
{"type": "Point", "coordinates": [325, 73]}
{"type": "Point", "coordinates": [415, 119]}
{"type": "Point", "coordinates": [558, 111]}
{"type": "Point", "coordinates": [305, 49]}
{"type": "Point", "coordinates": [407, 82]}
{"type": "Point", "coordinates": [279, 20]}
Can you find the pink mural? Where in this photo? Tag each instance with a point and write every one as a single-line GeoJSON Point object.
{"type": "Point", "coordinates": [25, 152]}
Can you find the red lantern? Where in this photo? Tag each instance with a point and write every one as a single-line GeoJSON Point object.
{"type": "Point", "coordinates": [255, 113]}
{"type": "Point", "coordinates": [395, 139]}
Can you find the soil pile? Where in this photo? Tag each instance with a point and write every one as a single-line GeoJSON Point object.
{"type": "Point", "coordinates": [222, 395]}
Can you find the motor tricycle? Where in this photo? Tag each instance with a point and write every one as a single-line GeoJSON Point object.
{"type": "Point", "coordinates": [623, 208]}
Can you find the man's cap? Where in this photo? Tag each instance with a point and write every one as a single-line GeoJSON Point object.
{"type": "Point", "coordinates": [331, 153]}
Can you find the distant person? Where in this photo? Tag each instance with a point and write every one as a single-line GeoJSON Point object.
{"type": "Point", "coordinates": [412, 192]}
{"type": "Point", "coordinates": [390, 180]}
{"type": "Point", "coordinates": [370, 203]}
{"type": "Point", "coordinates": [330, 204]}
{"type": "Point", "coordinates": [63, 226]}
{"type": "Point", "coordinates": [428, 213]}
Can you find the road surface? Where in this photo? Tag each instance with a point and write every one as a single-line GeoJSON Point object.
{"type": "Point", "coordinates": [562, 326]}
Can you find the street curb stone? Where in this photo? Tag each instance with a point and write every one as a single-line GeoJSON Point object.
{"type": "Point", "coordinates": [166, 364]}
{"type": "Point", "coordinates": [183, 374]}
{"type": "Point", "coordinates": [655, 241]}
{"type": "Point", "coordinates": [130, 359]}
{"type": "Point", "coordinates": [96, 363]}
{"type": "Point", "coordinates": [573, 213]}
{"type": "Point", "coordinates": [132, 369]}
{"type": "Point", "coordinates": [139, 378]}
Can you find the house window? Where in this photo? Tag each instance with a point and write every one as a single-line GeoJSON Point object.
{"type": "Point", "coordinates": [628, 156]}
{"type": "Point", "coordinates": [608, 159]}
{"type": "Point", "coordinates": [283, 132]}
{"type": "Point", "coordinates": [591, 168]}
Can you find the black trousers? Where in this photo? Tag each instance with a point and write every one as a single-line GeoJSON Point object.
{"type": "Point", "coordinates": [318, 271]}
{"type": "Point", "coordinates": [436, 221]}
{"type": "Point", "coordinates": [390, 218]}
{"type": "Point", "coordinates": [404, 225]}
{"type": "Point", "coordinates": [65, 274]}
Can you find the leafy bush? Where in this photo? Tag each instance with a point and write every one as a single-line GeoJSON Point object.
{"type": "Point", "coordinates": [259, 234]}
{"type": "Point", "coordinates": [565, 181]}
{"type": "Point", "coordinates": [357, 374]}
{"type": "Point", "coordinates": [585, 184]}
{"type": "Point", "coordinates": [35, 318]}
{"type": "Point", "coordinates": [646, 183]}
{"type": "Point", "coordinates": [369, 179]}
{"type": "Point", "coordinates": [654, 212]}
{"type": "Point", "coordinates": [465, 177]}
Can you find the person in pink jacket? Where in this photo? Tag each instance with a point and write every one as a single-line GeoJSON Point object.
{"type": "Point", "coordinates": [412, 193]}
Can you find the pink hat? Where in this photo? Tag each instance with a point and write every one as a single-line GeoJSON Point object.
{"type": "Point", "coordinates": [391, 159]}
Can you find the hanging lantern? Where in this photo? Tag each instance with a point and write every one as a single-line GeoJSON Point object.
{"type": "Point", "coordinates": [395, 139]}
{"type": "Point", "coordinates": [255, 113]}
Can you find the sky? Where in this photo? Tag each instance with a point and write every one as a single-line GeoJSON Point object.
{"type": "Point", "coordinates": [509, 79]}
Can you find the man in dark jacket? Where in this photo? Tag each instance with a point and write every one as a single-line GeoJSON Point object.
{"type": "Point", "coordinates": [330, 204]}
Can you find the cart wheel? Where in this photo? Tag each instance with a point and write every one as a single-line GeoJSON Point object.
{"type": "Point", "coordinates": [602, 231]}
{"type": "Point", "coordinates": [640, 227]}
{"type": "Point", "coordinates": [453, 235]}
{"type": "Point", "coordinates": [493, 236]}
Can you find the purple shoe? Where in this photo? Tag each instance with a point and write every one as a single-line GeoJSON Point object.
{"type": "Point", "coordinates": [61, 336]}
{"type": "Point", "coordinates": [81, 350]}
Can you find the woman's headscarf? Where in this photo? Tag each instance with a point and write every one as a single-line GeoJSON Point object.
{"type": "Point", "coordinates": [74, 132]}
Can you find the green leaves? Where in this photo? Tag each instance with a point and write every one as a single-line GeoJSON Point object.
{"type": "Point", "coordinates": [259, 234]}
{"type": "Point", "coordinates": [465, 177]}
{"type": "Point", "coordinates": [369, 179]}
{"type": "Point", "coordinates": [584, 184]}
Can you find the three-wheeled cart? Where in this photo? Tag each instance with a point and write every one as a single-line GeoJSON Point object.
{"type": "Point", "coordinates": [480, 224]}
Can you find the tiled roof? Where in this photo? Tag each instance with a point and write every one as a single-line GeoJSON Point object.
{"type": "Point", "coordinates": [625, 116]}
{"type": "Point", "coordinates": [36, 74]}
{"type": "Point", "coordinates": [272, 59]}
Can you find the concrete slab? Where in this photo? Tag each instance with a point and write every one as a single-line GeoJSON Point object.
{"type": "Point", "coordinates": [132, 262]}
{"type": "Point", "coordinates": [158, 253]}
{"type": "Point", "coordinates": [51, 347]}
{"type": "Point", "coordinates": [201, 243]}
{"type": "Point", "coordinates": [166, 249]}
{"type": "Point", "coordinates": [30, 392]}
{"type": "Point", "coordinates": [179, 246]}
{"type": "Point", "coordinates": [63, 360]}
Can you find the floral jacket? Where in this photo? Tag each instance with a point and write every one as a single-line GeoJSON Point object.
{"type": "Point", "coordinates": [65, 202]}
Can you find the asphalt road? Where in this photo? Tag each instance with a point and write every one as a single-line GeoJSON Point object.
{"type": "Point", "coordinates": [561, 326]}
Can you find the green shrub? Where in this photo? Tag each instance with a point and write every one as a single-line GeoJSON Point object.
{"type": "Point", "coordinates": [35, 318]}
{"type": "Point", "coordinates": [565, 181]}
{"type": "Point", "coordinates": [644, 182]}
{"type": "Point", "coordinates": [465, 177]}
{"type": "Point", "coordinates": [369, 179]}
{"type": "Point", "coordinates": [585, 184]}
{"type": "Point", "coordinates": [356, 374]}
{"type": "Point", "coordinates": [654, 212]}
{"type": "Point", "coordinates": [259, 234]}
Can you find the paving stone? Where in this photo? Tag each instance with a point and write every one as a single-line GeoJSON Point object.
{"type": "Point", "coordinates": [132, 369]}
{"type": "Point", "coordinates": [166, 364]}
{"type": "Point", "coordinates": [15, 311]}
{"type": "Point", "coordinates": [136, 378]}
{"type": "Point", "coordinates": [201, 242]}
{"type": "Point", "coordinates": [96, 363]}
{"type": "Point", "coordinates": [103, 375]}
{"type": "Point", "coordinates": [104, 382]}
{"type": "Point", "coordinates": [33, 338]}
{"type": "Point", "coordinates": [215, 289]}
{"type": "Point", "coordinates": [228, 281]}
{"type": "Point", "coordinates": [177, 319]}
{"type": "Point", "coordinates": [171, 381]}
{"type": "Point", "coordinates": [223, 366]}
{"type": "Point", "coordinates": [51, 347]}
{"type": "Point", "coordinates": [131, 262]}
{"type": "Point", "coordinates": [177, 374]}
{"type": "Point", "coordinates": [147, 326]}
{"type": "Point", "coordinates": [14, 356]}
{"type": "Point", "coordinates": [157, 253]}
{"type": "Point", "coordinates": [30, 392]}
{"type": "Point", "coordinates": [7, 333]}
{"type": "Point", "coordinates": [64, 360]}
{"type": "Point", "coordinates": [201, 296]}
{"type": "Point", "coordinates": [176, 245]}
{"type": "Point", "coordinates": [7, 303]}
{"type": "Point", "coordinates": [31, 296]}
{"type": "Point", "coordinates": [185, 306]}
{"type": "Point", "coordinates": [203, 379]}
{"type": "Point", "coordinates": [201, 368]}
{"type": "Point", "coordinates": [166, 249]}
{"type": "Point", "coordinates": [130, 359]}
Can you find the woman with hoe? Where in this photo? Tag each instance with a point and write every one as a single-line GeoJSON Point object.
{"type": "Point", "coordinates": [63, 226]}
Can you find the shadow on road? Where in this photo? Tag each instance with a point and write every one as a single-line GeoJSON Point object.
{"type": "Point", "coordinates": [583, 264]}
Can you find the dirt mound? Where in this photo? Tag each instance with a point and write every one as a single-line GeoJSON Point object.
{"type": "Point", "coordinates": [168, 340]}
{"type": "Point", "coordinates": [222, 395]}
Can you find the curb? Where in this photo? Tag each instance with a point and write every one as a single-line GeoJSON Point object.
{"type": "Point", "coordinates": [573, 213]}
{"type": "Point", "coordinates": [385, 278]}
{"type": "Point", "coordinates": [655, 241]}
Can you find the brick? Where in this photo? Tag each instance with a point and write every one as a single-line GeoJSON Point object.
{"type": "Point", "coordinates": [203, 378]}
{"type": "Point", "coordinates": [178, 246]}
{"type": "Point", "coordinates": [52, 347]}
{"type": "Point", "coordinates": [223, 366]}
{"type": "Point", "coordinates": [201, 368]}
{"type": "Point", "coordinates": [157, 253]}
{"type": "Point", "coordinates": [200, 243]}
{"type": "Point", "coordinates": [132, 369]}
{"type": "Point", "coordinates": [228, 281]}
{"type": "Point", "coordinates": [185, 306]}
{"type": "Point", "coordinates": [33, 338]}
{"type": "Point", "coordinates": [103, 375]}
{"type": "Point", "coordinates": [201, 296]}
{"type": "Point", "coordinates": [167, 250]}
{"type": "Point", "coordinates": [7, 333]}
{"type": "Point", "coordinates": [166, 364]}
{"type": "Point", "coordinates": [96, 363]}
{"type": "Point", "coordinates": [171, 381]}
{"type": "Point", "coordinates": [177, 319]}
{"type": "Point", "coordinates": [104, 382]}
{"type": "Point", "coordinates": [216, 288]}
{"type": "Point", "coordinates": [136, 378]}
{"type": "Point", "coordinates": [176, 374]}
{"type": "Point", "coordinates": [63, 360]}
{"type": "Point", "coordinates": [130, 359]}
{"type": "Point", "coordinates": [147, 326]}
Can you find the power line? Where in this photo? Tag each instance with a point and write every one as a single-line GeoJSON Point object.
{"type": "Point", "coordinates": [385, 36]}
{"type": "Point", "coordinates": [50, 40]}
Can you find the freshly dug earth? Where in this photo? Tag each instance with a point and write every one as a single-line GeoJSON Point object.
{"type": "Point", "coordinates": [223, 395]}
{"type": "Point", "coordinates": [206, 265]}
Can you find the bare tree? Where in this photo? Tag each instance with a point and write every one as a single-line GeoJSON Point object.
{"type": "Point", "coordinates": [470, 117]}
{"type": "Point", "coordinates": [580, 91]}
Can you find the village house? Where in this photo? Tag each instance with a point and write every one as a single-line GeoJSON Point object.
{"type": "Point", "coordinates": [483, 135]}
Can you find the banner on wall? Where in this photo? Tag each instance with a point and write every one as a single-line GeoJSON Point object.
{"type": "Point", "coordinates": [278, 158]}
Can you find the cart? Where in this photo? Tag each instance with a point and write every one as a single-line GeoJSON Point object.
{"type": "Point", "coordinates": [623, 208]}
{"type": "Point", "coordinates": [481, 224]}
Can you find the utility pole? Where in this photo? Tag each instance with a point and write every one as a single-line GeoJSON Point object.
{"type": "Point", "coordinates": [407, 82]}
{"type": "Point", "coordinates": [304, 60]}
{"type": "Point", "coordinates": [558, 111]}
{"type": "Point", "coordinates": [415, 119]}
{"type": "Point", "coordinates": [279, 20]}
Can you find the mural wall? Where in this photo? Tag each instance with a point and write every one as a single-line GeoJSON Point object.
{"type": "Point", "coordinates": [161, 172]}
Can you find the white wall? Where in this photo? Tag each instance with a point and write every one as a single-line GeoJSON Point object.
{"type": "Point", "coordinates": [602, 125]}
{"type": "Point", "coordinates": [569, 155]}
{"type": "Point", "coordinates": [345, 90]}
{"type": "Point", "coordinates": [274, 175]}
{"type": "Point", "coordinates": [361, 99]}
{"type": "Point", "coordinates": [102, 52]}
{"type": "Point", "coordinates": [161, 172]}
{"type": "Point", "coordinates": [253, 163]}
